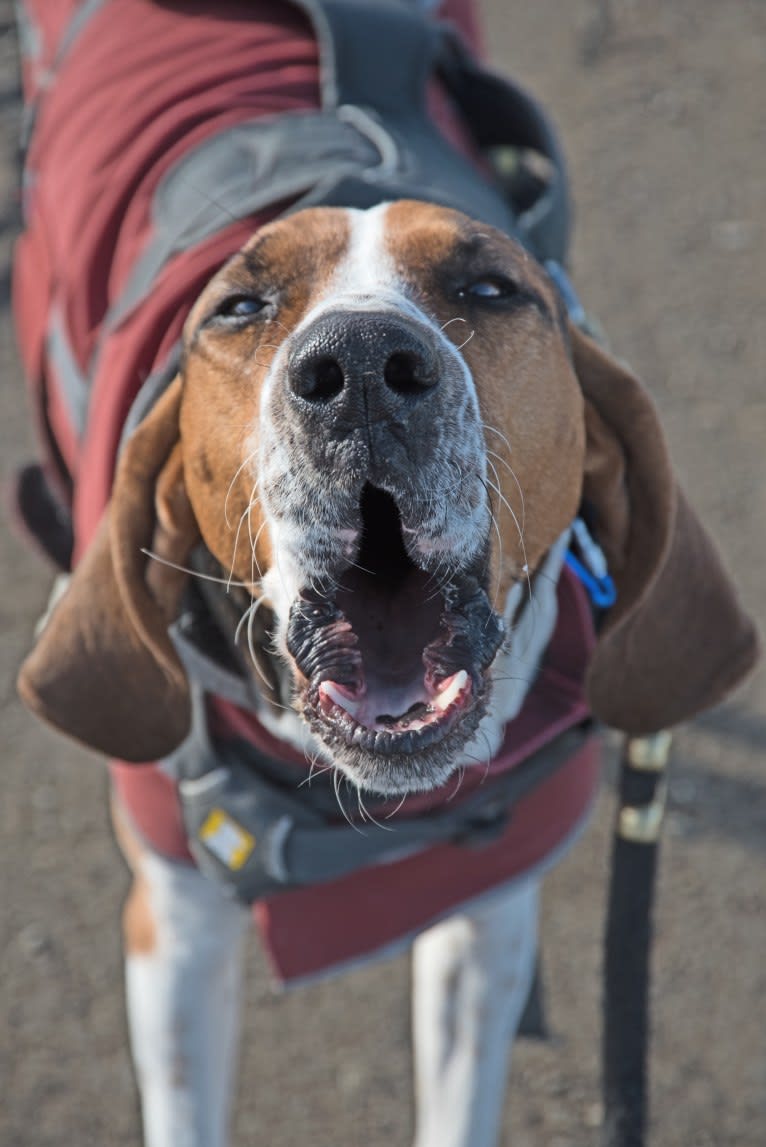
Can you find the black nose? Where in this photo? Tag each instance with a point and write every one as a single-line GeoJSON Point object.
{"type": "Point", "coordinates": [346, 353]}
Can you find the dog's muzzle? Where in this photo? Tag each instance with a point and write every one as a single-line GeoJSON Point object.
{"type": "Point", "coordinates": [379, 507]}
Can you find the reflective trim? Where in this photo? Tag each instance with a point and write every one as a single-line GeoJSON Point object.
{"type": "Point", "coordinates": [30, 36]}
{"type": "Point", "coordinates": [151, 391]}
{"type": "Point", "coordinates": [75, 27]}
{"type": "Point", "coordinates": [31, 43]}
{"type": "Point", "coordinates": [239, 172]}
{"type": "Point", "coordinates": [73, 384]}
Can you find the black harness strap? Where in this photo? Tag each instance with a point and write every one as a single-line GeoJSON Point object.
{"type": "Point", "coordinates": [628, 939]}
{"type": "Point", "coordinates": [502, 117]}
{"type": "Point", "coordinates": [379, 58]}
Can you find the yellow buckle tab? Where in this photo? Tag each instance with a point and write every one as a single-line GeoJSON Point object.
{"type": "Point", "coordinates": [226, 839]}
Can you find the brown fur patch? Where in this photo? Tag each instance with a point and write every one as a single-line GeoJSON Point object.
{"type": "Point", "coordinates": [138, 925]}
{"type": "Point", "coordinates": [529, 398]}
{"type": "Point", "coordinates": [139, 931]}
{"type": "Point", "coordinates": [289, 264]}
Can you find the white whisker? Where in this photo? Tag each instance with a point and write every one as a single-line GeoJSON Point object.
{"type": "Point", "coordinates": [314, 769]}
{"type": "Point", "coordinates": [460, 778]}
{"type": "Point", "coordinates": [522, 544]}
{"type": "Point", "coordinates": [231, 485]}
{"type": "Point", "coordinates": [493, 518]}
{"type": "Point", "coordinates": [196, 573]}
{"type": "Point", "coordinates": [489, 756]}
{"type": "Point", "coordinates": [344, 813]}
{"type": "Point", "coordinates": [394, 811]}
{"type": "Point", "coordinates": [365, 813]}
{"type": "Point", "coordinates": [457, 319]}
{"type": "Point", "coordinates": [512, 472]}
{"type": "Point", "coordinates": [247, 619]}
{"type": "Point", "coordinates": [254, 543]}
{"type": "Point", "coordinates": [499, 433]}
{"type": "Point", "coordinates": [245, 514]}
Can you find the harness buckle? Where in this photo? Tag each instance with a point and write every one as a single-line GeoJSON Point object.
{"type": "Point", "coordinates": [591, 568]}
{"type": "Point", "coordinates": [239, 827]}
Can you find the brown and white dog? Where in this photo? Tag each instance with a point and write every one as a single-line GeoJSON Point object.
{"type": "Point", "coordinates": [323, 360]}
{"type": "Point", "coordinates": [383, 423]}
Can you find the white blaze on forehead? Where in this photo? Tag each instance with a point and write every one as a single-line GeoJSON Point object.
{"type": "Point", "coordinates": [366, 268]}
{"type": "Point", "coordinates": [366, 277]}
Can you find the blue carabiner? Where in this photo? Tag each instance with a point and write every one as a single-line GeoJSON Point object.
{"type": "Point", "coordinates": [601, 590]}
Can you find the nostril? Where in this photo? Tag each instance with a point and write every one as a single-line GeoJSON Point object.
{"type": "Point", "coordinates": [405, 374]}
{"type": "Point", "coordinates": [320, 380]}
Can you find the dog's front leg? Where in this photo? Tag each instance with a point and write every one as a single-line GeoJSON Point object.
{"type": "Point", "coordinates": [471, 977]}
{"type": "Point", "coordinates": [184, 949]}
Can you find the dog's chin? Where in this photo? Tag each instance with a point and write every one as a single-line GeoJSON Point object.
{"type": "Point", "coordinates": [393, 662]}
{"type": "Point", "coordinates": [394, 763]}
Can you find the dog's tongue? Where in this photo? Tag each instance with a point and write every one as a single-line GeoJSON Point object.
{"type": "Point", "coordinates": [407, 708]}
{"type": "Point", "coordinates": [393, 621]}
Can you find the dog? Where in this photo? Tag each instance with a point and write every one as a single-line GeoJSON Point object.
{"type": "Point", "coordinates": [381, 430]}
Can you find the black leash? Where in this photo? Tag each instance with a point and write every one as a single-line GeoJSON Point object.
{"type": "Point", "coordinates": [628, 939]}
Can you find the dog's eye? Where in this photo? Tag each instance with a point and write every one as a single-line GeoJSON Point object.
{"type": "Point", "coordinates": [489, 287]}
{"type": "Point", "coordinates": [239, 307]}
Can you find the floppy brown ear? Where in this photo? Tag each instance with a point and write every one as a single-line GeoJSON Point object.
{"type": "Point", "coordinates": [677, 639]}
{"type": "Point", "coordinates": [104, 669]}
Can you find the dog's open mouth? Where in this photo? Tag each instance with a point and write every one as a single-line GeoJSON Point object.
{"type": "Point", "coordinates": [395, 659]}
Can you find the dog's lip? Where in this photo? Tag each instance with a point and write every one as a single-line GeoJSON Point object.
{"type": "Point", "coordinates": [371, 707]}
{"type": "Point", "coordinates": [356, 716]}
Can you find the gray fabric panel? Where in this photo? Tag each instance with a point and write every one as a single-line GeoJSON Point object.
{"type": "Point", "coordinates": [207, 675]}
{"type": "Point", "coordinates": [295, 845]}
{"type": "Point", "coordinates": [325, 853]}
{"type": "Point", "coordinates": [239, 172]}
{"type": "Point", "coordinates": [357, 46]}
{"type": "Point", "coordinates": [328, 88]}
{"type": "Point", "coordinates": [31, 44]}
{"type": "Point", "coordinates": [346, 156]}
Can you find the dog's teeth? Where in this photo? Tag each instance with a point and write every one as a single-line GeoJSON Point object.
{"type": "Point", "coordinates": [450, 690]}
{"type": "Point", "coordinates": [338, 698]}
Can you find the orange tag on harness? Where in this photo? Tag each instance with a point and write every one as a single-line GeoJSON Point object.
{"type": "Point", "coordinates": [226, 839]}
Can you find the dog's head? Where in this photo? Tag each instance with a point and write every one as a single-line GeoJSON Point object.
{"type": "Point", "coordinates": [382, 423]}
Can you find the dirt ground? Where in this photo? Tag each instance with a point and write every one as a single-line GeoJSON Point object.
{"type": "Point", "coordinates": [663, 112]}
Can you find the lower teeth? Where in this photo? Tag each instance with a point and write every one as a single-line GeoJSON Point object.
{"type": "Point", "coordinates": [419, 709]}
